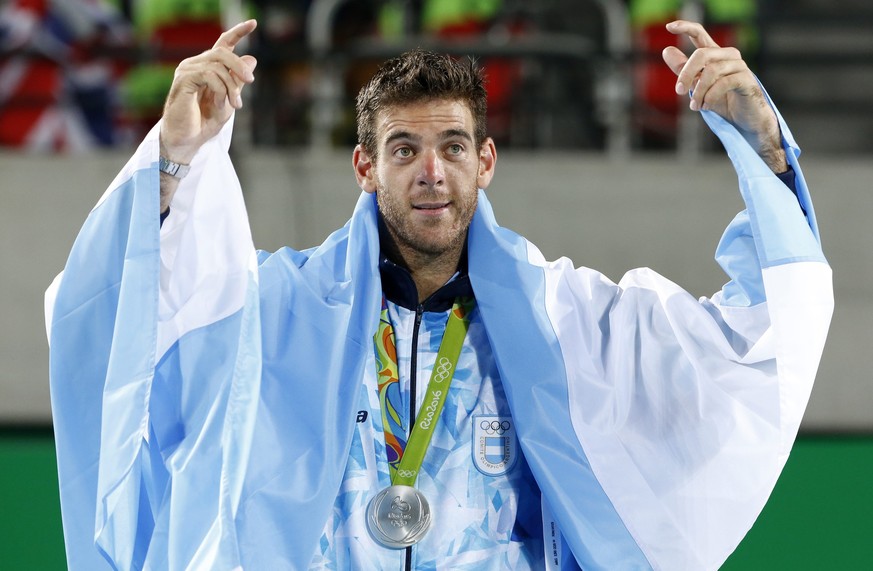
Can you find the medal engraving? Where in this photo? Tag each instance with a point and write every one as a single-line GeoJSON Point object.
{"type": "Point", "coordinates": [399, 516]}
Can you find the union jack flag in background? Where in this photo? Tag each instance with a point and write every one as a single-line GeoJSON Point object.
{"type": "Point", "coordinates": [59, 68]}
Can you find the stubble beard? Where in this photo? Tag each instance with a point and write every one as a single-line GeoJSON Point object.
{"type": "Point", "coordinates": [420, 243]}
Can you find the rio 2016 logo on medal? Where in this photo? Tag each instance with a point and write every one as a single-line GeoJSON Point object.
{"type": "Point", "coordinates": [398, 516]}
{"type": "Point", "coordinates": [495, 447]}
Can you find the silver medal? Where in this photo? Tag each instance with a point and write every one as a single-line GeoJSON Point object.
{"type": "Point", "coordinates": [399, 516]}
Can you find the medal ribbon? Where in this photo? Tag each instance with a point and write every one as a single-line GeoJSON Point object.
{"type": "Point", "coordinates": [405, 458]}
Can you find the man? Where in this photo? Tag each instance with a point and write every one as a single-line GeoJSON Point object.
{"type": "Point", "coordinates": [222, 411]}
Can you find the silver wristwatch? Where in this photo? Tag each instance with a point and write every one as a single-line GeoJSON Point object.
{"type": "Point", "coordinates": [173, 169]}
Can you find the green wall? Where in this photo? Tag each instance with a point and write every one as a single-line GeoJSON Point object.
{"type": "Point", "coordinates": [31, 537]}
{"type": "Point", "coordinates": [819, 517]}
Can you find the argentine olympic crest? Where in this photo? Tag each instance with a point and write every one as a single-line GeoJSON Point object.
{"type": "Point", "coordinates": [495, 447]}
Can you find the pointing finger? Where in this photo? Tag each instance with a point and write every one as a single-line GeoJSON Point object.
{"type": "Point", "coordinates": [233, 36]}
{"type": "Point", "coordinates": [699, 37]}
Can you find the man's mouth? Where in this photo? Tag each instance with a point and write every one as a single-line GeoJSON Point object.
{"type": "Point", "coordinates": [431, 206]}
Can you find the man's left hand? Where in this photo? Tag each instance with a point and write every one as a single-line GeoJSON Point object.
{"type": "Point", "coordinates": [720, 81]}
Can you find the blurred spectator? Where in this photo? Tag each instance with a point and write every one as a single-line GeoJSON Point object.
{"type": "Point", "coordinates": [58, 71]}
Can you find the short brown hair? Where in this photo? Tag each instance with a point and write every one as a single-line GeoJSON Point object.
{"type": "Point", "coordinates": [420, 75]}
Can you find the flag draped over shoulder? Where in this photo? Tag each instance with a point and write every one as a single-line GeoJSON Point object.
{"type": "Point", "coordinates": [151, 465]}
{"type": "Point", "coordinates": [200, 406]}
{"type": "Point", "coordinates": [657, 424]}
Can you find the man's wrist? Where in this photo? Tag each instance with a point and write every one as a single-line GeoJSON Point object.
{"type": "Point", "coordinates": [775, 158]}
{"type": "Point", "coordinates": [172, 168]}
{"type": "Point", "coordinates": [767, 140]}
{"type": "Point", "coordinates": [175, 152]}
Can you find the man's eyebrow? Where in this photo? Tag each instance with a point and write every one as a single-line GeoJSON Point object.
{"type": "Point", "coordinates": [447, 134]}
{"type": "Point", "coordinates": [456, 133]}
{"type": "Point", "coordinates": [401, 135]}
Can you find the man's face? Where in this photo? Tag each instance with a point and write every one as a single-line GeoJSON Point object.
{"type": "Point", "coordinates": [427, 174]}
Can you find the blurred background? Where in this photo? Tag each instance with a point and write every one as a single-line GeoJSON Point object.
{"type": "Point", "coordinates": [600, 161]}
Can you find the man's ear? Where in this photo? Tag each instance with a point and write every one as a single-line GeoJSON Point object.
{"type": "Point", "coordinates": [365, 169]}
{"type": "Point", "coordinates": [487, 163]}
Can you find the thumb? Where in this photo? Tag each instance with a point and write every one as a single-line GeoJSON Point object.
{"type": "Point", "coordinates": [674, 58]}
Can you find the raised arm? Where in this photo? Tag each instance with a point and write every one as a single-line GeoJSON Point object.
{"type": "Point", "coordinates": [719, 80]}
{"type": "Point", "coordinates": [206, 90]}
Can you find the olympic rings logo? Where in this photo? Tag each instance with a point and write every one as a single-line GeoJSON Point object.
{"type": "Point", "coordinates": [406, 473]}
{"type": "Point", "coordinates": [442, 370]}
{"type": "Point", "coordinates": [495, 426]}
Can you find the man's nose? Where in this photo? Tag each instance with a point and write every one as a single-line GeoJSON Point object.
{"type": "Point", "coordinates": [432, 172]}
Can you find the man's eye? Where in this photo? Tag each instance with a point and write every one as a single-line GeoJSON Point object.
{"type": "Point", "coordinates": [455, 149]}
{"type": "Point", "coordinates": [403, 152]}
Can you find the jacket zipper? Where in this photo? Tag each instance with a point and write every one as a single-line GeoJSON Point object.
{"type": "Point", "coordinates": [413, 365]}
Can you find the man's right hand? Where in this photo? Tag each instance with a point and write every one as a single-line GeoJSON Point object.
{"type": "Point", "coordinates": [205, 92]}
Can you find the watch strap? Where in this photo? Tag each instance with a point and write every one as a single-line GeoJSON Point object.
{"type": "Point", "coordinates": [173, 169]}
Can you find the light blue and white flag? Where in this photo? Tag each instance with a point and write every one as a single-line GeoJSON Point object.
{"type": "Point", "coordinates": [153, 440]}
{"type": "Point", "coordinates": [204, 406]}
{"type": "Point", "coordinates": [657, 424]}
